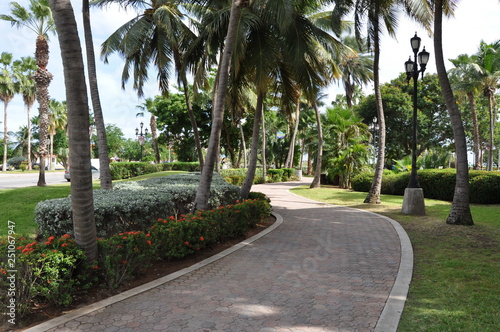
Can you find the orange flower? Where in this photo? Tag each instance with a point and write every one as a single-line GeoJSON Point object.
{"type": "Point", "coordinates": [148, 242]}
{"type": "Point", "coordinates": [66, 236]}
{"type": "Point", "coordinates": [48, 281]}
{"type": "Point", "coordinates": [202, 238]}
{"type": "Point", "coordinates": [64, 245]}
{"type": "Point", "coordinates": [95, 267]}
{"type": "Point", "coordinates": [51, 238]}
{"type": "Point", "coordinates": [2, 271]}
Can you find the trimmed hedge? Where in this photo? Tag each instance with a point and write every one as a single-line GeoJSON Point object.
{"type": "Point", "coordinates": [126, 170]}
{"type": "Point", "coordinates": [236, 176]}
{"type": "Point", "coordinates": [131, 206]}
{"type": "Point", "coordinates": [437, 184]}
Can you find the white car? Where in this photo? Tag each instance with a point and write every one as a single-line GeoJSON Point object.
{"type": "Point", "coordinates": [95, 174]}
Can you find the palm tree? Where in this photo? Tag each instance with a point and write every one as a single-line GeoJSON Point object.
{"type": "Point", "coordinates": [202, 194]}
{"type": "Point", "coordinates": [159, 35]}
{"type": "Point", "coordinates": [58, 120]}
{"type": "Point", "coordinates": [39, 20]}
{"type": "Point", "coordinates": [148, 106]}
{"type": "Point", "coordinates": [24, 70]}
{"type": "Point", "coordinates": [78, 127]}
{"type": "Point", "coordinates": [489, 60]}
{"type": "Point", "coordinates": [460, 213]}
{"type": "Point", "coordinates": [104, 171]}
{"type": "Point", "coordinates": [8, 89]}
{"type": "Point", "coordinates": [465, 78]}
{"type": "Point", "coordinates": [378, 13]}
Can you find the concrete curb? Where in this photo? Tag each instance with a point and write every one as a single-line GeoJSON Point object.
{"type": "Point", "coordinates": [150, 285]}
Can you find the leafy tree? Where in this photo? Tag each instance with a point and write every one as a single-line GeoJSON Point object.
{"type": "Point", "coordinates": [114, 140]}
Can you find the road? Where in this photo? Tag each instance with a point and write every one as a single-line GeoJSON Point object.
{"type": "Point", "coordinates": [17, 180]}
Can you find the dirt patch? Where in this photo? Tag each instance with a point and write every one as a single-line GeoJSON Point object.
{"type": "Point", "coordinates": [43, 312]}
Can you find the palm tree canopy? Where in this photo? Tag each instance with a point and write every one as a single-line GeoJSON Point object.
{"type": "Point", "coordinates": [37, 18]}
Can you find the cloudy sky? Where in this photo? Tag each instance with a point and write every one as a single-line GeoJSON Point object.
{"type": "Point", "coordinates": [474, 20]}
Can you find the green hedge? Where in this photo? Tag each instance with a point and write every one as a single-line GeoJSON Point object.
{"type": "Point", "coordinates": [132, 205]}
{"type": "Point", "coordinates": [126, 170]}
{"type": "Point", "coordinates": [437, 184]}
{"type": "Point", "coordinates": [236, 176]}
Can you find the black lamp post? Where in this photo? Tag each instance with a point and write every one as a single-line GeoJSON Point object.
{"type": "Point", "coordinates": [140, 136]}
{"type": "Point", "coordinates": [412, 71]}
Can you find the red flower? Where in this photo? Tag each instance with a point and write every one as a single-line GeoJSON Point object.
{"type": "Point", "coordinates": [64, 245]}
{"type": "Point", "coordinates": [124, 262]}
{"type": "Point", "coordinates": [186, 243]}
{"type": "Point", "coordinates": [124, 237]}
{"type": "Point", "coordinates": [95, 267]}
{"type": "Point", "coordinates": [51, 238]}
{"type": "Point", "coordinates": [148, 242]}
{"type": "Point", "coordinates": [48, 281]}
{"type": "Point", "coordinates": [201, 238]}
{"type": "Point", "coordinates": [66, 236]}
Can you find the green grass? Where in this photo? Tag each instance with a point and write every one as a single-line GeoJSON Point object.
{"type": "Point", "coordinates": [455, 285]}
{"type": "Point", "coordinates": [18, 205]}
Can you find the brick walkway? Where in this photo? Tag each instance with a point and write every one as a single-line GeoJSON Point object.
{"type": "Point", "coordinates": [325, 268]}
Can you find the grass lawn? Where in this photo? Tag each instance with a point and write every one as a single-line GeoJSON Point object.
{"type": "Point", "coordinates": [18, 205]}
{"type": "Point", "coordinates": [456, 277]}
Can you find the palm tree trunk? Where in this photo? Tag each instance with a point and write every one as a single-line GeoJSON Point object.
{"type": "Point", "coordinates": [192, 118]}
{"type": "Point", "coordinates": [373, 196]}
{"type": "Point", "coordinates": [102, 142]}
{"type": "Point", "coordinates": [29, 138]}
{"type": "Point", "coordinates": [489, 165]}
{"type": "Point", "coordinates": [460, 210]}
{"type": "Point", "coordinates": [203, 192]}
{"type": "Point", "coordinates": [291, 150]}
{"type": "Point", "coordinates": [477, 163]}
{"type": "Point", "coordinates": [243, 145]}
{"type": "Point", "coordinates": [264, 157]}
{"type": "Point", "coordinates": [154, 137]}
{"type": "Point", "coordinates": [5, 136]}
{"type": "Point", "coordinates": [78, 127]}
{"type": "Point", "coordinates": [317, 173]}
{"type": "Point", "coordinates": [252, 162]}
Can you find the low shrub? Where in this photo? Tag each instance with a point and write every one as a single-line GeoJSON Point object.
{"type": "Point", "coordinates": [126, 170]}
{"type": "Point", "coordinates": [437, 184]}
{"type": "Point", "coordinates": [276, 175]}
{"type": "Point", "coordinates": [133, 205]}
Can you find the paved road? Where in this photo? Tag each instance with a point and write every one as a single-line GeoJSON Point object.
{"type": "Point", "coordinates": [17, 180]}
{"type": "Point", "coordinates": [324, 268]}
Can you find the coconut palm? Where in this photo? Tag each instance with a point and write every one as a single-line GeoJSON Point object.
{"type": "Point", "coordinates": [488, 58]}
{"type": "Point", "coordinates": [24, 70]}
{"type": "Point", "coordinates": [8, 89]}
{"type": "Point", "coordinates": [465, 78]}
{"type": "Point", "coordinates": [78, 127]}
{"type": "Point", "coordinates": [460, 213]}
{"type": "Point", "coordinates": [104, 170]}
{"type": "Point", "coordinates": [377, 14]}
{"type": "Point", "coordinates": [37, 18]}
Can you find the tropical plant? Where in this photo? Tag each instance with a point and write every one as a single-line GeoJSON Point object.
{"type": "Point", "coordinates": [8, 89]}
{"type": "Point", "coordinates": [24, 70]}
{"type": "Point", "coordinates": [58, 120]}
{"type": "Point", "coordinates": [38, 18]}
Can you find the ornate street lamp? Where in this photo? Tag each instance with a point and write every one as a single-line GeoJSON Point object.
{"type": "Point", "coordinates": [414, 197]}
{"type": "Point", "coordinates": [140, 136]}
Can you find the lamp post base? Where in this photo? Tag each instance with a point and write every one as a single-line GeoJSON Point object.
{"type": "Point", "coordinates": [413, 202]}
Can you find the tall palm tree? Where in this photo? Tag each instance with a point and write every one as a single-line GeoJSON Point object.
{"type": "Point", "coordinates": [465, 78]}
{"type": "Point", "coordinates": [203, 192]}
{"type": "Point", "coordinates": [24, 70]}
{"type": "Point", "coordinates": [8, 89]}
{"type": "Point", "coordinates": [377, 14]}
{"type": "Point", "coordinates": [460, 213]}
{"type": "Point", "coordinates": [104, 170]}
{"type": "Point", "coordinates": [39, 20]}
{"type": "Point", "coordinates": [489, 60]}
{"type": "Point", "coordinates": [78, 127]}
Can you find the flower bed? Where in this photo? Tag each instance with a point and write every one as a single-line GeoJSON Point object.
{"type": "Point", "coordinates": [54, 270]}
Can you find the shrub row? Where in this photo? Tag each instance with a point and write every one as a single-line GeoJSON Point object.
{"type": "Point", "coordinates": [132, 205]}
{"type": "Point", "coordinates": [436, 184]}
{"type": "Point", "coordinates": [53, 270]}
{"type": "Point", "coordinates": [126, 170]}
{"type": "Point", "coordinates": [237, 176]}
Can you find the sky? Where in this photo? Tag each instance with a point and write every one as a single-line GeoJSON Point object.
{"type": "Point", "coordinates": [474, 20]}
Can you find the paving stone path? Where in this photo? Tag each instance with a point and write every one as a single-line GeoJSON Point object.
{"type": "Point", "coordinates": [325, 268]}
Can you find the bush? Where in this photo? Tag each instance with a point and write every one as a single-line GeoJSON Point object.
{"type": "Point", "coordinates": [276, 175]}
{"type": "Point", "coordinates": [133, 205]}
{"type": "Point", "coordinates": [288, 173]}
{"type": "Point", "coordinates": [437, 184]}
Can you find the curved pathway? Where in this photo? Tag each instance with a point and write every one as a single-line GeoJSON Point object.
{"type": "Point", "coordinates": [324, 268]}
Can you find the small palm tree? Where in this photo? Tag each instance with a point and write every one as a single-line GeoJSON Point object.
{"type": "Point", "coordinates": [24, 70]}
{"type": "Point", "coordinates": [8, 89]}
{"type": "Point", "coordinates": [38, 18]}
{"type": "Point", "coordinates": [58, 120]}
